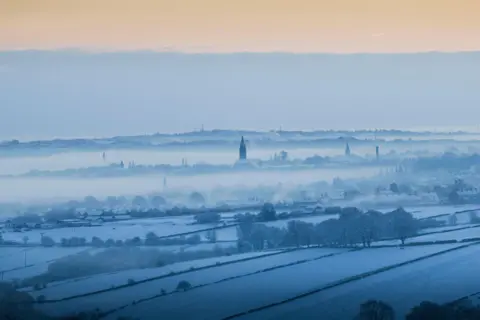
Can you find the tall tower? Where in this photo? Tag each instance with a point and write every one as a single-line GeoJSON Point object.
{"type": "Point", "coordinates": [242, 150]}
{"type": "Point", "coordinates": [347, 150]}
{"type": "Point", "coordinates": [377, 152]}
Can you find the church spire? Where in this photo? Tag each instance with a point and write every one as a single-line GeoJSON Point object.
{"type": "Point", "coordinates": [347, 150]}
{"type": "Point", "coordinates": [242, 150]}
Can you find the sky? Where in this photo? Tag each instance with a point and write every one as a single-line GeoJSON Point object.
{"type": "Point", "coordinates": [343, 26]}
{"type": "Point", "coordinates": [46, 94]}
{"type": "Point", "coordinates": [88, 68]}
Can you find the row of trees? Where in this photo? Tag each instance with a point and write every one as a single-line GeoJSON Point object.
{"type": "Point", "coordinates": [155, 201]}
{"type": "Point", "coordinates": [379, 310]}
{"type": "Point", "coordinates": [151, 239]}
{"type": "Point", "coordinates": [353, 227]}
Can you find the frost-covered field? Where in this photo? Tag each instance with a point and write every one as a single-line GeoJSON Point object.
{"type": "Point", "coordinates": [430, 211]}
{"type": "Point", "coordinates": [402, 288]}
{"type": "Point", "coordinates": [444, 229]}
{"type": "Point", "coordinates": [71, 287]}
{"type": "Point", "coordinates": [120, 297]}
{"type": "Point", "coordinates": [227, 298]}
{"type": "Point", "coordinates": [473, 232]}
{"type": "Point", "coordinates": [246, 292]}
{"type": "Point", "coordinates": [19, 263]}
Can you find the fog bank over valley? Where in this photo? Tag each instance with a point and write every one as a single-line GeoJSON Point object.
{"type": "Point", "coordinates": [127, 193]}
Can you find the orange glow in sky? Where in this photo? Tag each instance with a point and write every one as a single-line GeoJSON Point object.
{"type": "Point", "coordinates": [242, 25]}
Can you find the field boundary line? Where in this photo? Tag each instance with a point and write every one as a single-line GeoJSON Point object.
{"type": "Point", "coordinates": [290, 264]}
{"type": "Point", "coordinates": [345, 281]}
{"type": "Point", "coordinates": [172, 274]}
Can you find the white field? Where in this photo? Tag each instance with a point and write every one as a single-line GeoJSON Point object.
{"type": "Point", "coordinates": [224, 299]}
{"type": "Point", "coordinates": [71, 287]}
{"type": "Point", "coordinates": [444, 229]}
{"type": "Point", "coordinates": [120, 297]}
{"type": "Point", "coordinates": [439, 279]}
{"type": "Point", "coordinates": [37, 260]}
{"type": "Point", "coordinates": [227, 234]}
{"type": "Point", "coordinates": [430, 211]}
{"type": "Point", "coordinates": [260, 288]}
{"type": "Point", "coordinates": [459, 235]}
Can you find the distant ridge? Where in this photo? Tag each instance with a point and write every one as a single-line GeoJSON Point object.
{"type": "Point", "coordinates": [235, 133]}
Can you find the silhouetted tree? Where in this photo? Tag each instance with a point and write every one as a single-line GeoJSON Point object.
{"type": "Point", "coordinates": [158, 201]}
{"type": "Point", "coordinates": [197, 198]}
{"type": "Point", "coordinates": [430, 311]}
{"type": "Point", "coordinates": [97, 242]}
{"type": "Point", "coordinates": [184, 285]}
{"type": "Point", "coordinates": [375, 310]}
{"type": "Point", "coordinates": [47, 241]}
{"type": "Point", "coordinates": [17, 305]}
{"type": "Point", "coordinates": [268, 212]}
{"type": "Point", "coordinates": [394, 188]}
{"type": "Point", "coordinates": [151, 239]}
{"type": "Point", "coordinates": [208, 217]}
{"type": "Point", "coordinates": [403, 224]}
{"type": "Point", "coordinates": [91, 202]}
{"type": "Point", "coordinates": [140, 202]}
{"type": "Point", "coordinates": [454, 197]}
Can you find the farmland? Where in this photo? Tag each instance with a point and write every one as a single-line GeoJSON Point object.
{"type": "Point", "coordinates": [279, 283]}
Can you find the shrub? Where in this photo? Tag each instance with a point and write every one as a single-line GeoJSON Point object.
{"type": "Point", "coordinates": [184, 285]}
{"type": "Point", "coordinates": [208, 217]}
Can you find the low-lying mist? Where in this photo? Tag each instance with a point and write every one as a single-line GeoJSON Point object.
{"type": "Point", "coordinates": [38, 189]}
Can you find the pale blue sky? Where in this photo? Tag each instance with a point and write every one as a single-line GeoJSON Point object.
{"type": "Point", "coordinates": [71, 94]}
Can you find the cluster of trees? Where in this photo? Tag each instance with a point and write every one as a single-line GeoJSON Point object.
{"type": "Point", "coordinates": [353, 227]}
{"type": "Point", "coordinates": [15, 304]}
{"type": "Point", "coordinates": [90, 202]}
{"type": "Point", "coordinates": [451, 193]}
{"type": "Point", "coordinates": [208, 217]}
{"type": "Point", "coordinates": [379, 310]}
{"type": "Point", "coordinates": [151, 239]}
{"type": "Point", "coordinates": [18, 305]}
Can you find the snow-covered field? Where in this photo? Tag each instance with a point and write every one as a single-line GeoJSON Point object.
{"type": "Point", "coordinates": [71, 287]}
{"type": "Point", "coordinates": [19, 263]}
{"type": "Point", "coordinates": [430, 211]}
{"type": "Point", "coordinates": [473, 232]}
{"type": "Point", "coordinates": [120, 297]}
{"type": "Point", "coordinates": [440, 279]}
{"type": "Point", "coordinates": [227, 298]}
{"type": "Point", "coordinates": [222, 299]}
{"type": "Point", "coordinates": [443, 229]}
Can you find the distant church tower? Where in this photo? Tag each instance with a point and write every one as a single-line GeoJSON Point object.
{"type": "Point", "coordinates": [347, 150]}
{"type": "Point", "coordinates": [242, 150]}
